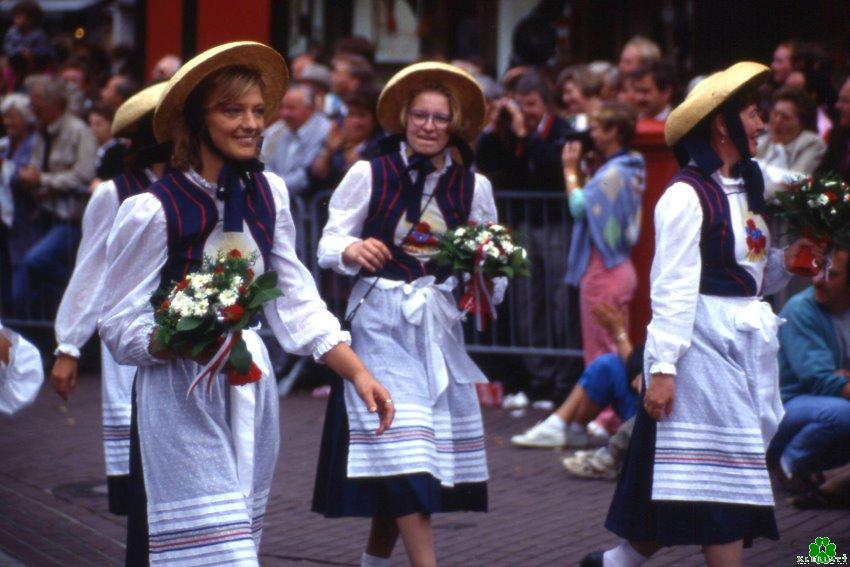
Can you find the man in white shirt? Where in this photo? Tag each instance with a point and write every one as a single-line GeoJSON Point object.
{"type": "Point", "coordinates": [301, 139]}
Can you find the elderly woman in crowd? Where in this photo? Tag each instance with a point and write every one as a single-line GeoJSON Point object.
{"type": "Point", "coordinates": [386, 218]}
{"type": "Point", "coordinates": [695, 473]}
{"type": "Point", "coordinates": [201, 464]}
{"type": "Point", "coordinates": [792, 146]}
{"type": "Point", "coordinates": [19, 228]}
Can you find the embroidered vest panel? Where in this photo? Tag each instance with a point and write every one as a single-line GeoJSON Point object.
{"type": "Point", "coordinates": [721, 274]}
{"type": "Point", "coordinates": [191, 215]}
{"type": "Point", "coordinates": [391, 187]}
{"type": "Point", "coordinates": [130, 183]}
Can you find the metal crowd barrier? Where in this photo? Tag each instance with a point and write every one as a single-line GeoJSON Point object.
{"type": "Point", "coordinates": [539, 218]}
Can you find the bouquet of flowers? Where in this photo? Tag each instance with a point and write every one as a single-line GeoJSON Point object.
{"type": "Point", "coordinates": [817, 208]}
{"type": "Point", "coordinates": [206, 311]}
{"type": "Point", "coordinates": [484, 251]}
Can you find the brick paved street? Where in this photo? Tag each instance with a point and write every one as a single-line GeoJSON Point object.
{"type": "Point", "coordinates": [53, 512]}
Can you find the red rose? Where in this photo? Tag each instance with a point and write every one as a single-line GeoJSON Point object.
{"type": "Point", "coordinates": [243, 290]}
{"type": "Point", "coordinates": [235, 378]}
{"type": "Point", "coordinates": [233, 313]}
{"type": "Point", "coordinates": [235, 253]}
{"type": "Point", "coordinates": [182, 284]}
{"type": "Point", "coordinates": [831, 196]}
{"type": "Point", "coordinates": [164, 305]}
{"type": "Point", "coordinates": [218, 270]}
{"type": "Point", "coordinates": [249, 273]}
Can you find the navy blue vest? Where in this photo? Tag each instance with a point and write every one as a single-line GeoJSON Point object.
{"type": "Point", "coordinates": [191, 215]}
{"type": "Point", "coordinates": [721, 273]}
{"type": "Point", "coordinates": [130, 183]}
{"type": "Point", "coordinates": [391, 188]}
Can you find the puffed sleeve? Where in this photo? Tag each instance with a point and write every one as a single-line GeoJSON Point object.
{"type": "Point", "coordinates": [674, 278]}
{"type": "Point", "coordinates": [21, 377]}
{"type": "Point", "coordinates": [483, 209]}
{"type": "Point", "coordinates": [76, 319]}
{"type": "Point", "coordinates": [136, 251]}
{"type": "Point", "coordinates": [346, 214]}
{"type": "Point", "coordinates": [299, 319]}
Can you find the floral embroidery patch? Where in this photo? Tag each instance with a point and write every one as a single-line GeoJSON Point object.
{"type": "Point", "coordinates": [756, 241]}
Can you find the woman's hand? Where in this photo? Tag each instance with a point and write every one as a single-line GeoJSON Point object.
{"type": "Point", "coordinates": [376, 398]}
{"type": "Point", "coordinates": [818, 250]}
{"type": "Point", "coordinates": [658, 400]}
{"type": "Point", "coordinates": [570, 157]}
{"type": "Point", "coordinates": [334, 139]}
{"type": "Point", "coordinates": [370, 254]}
{"type": "Point", "coordinates": [64, 375]}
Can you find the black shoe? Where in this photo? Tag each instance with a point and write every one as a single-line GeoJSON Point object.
{"type": "Point", "coordinates": [592, 559]}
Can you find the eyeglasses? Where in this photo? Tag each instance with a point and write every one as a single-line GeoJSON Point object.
{"type": "Point", "coordinates": [420, 117]}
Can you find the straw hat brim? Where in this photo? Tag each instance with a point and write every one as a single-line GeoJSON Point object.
{"type": "Point", "coordinates": [415, 77]}
{"type": "Point", "coordinates": [141, 104]}
{"type": "Point", "coordinates": [709, 95]}
{"type": "Point", "coordinates": [169, 112]}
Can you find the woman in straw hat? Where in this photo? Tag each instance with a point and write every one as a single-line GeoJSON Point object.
{"type": "Point", "coordinates": [385, 221]}
{"type": "Point", "coordinates": [695, 473]}
{"type": "Point", "coordinates": [201, 464]}
{"type": "Point", "coordinates": [76, 319]}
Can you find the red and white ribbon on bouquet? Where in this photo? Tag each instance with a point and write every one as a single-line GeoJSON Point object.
{"type": "Point", "coordinates": [215, 364]}
{"type": "Point", "coordinates": [478, 296]}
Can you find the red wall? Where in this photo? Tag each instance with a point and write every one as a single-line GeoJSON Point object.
{"type": "Point", "coordinates": [164, 25]}
{"type": "Point", "coordinates": [220, 21]}
{"type": "Point", "coordinates": [660, 167]}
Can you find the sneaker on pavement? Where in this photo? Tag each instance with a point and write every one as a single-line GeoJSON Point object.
{"type": "Point", "coordinates": [598, 465]}
{"type": "Point", "coordinates": [515, 401]}
{"type": "Point", "coordinates": [541, 436]}
{"type": "Point", "coordinates": [598, 435]}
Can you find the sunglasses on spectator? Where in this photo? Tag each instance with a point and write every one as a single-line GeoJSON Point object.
{"type": "Point", "coordinates": [420, 117]}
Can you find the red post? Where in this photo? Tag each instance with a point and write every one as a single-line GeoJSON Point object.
{"type": "Point", "coordinates": [164, 25]}
{"type": "Point", "coordinates": [660, 167]}
{"type": "Point", "coordinates": [220, 21]}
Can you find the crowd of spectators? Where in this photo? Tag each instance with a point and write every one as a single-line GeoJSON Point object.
{"type": "Point", "coordinates": [549, 131]}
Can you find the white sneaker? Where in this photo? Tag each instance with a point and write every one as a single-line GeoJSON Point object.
{"type": "Point", "coordinates": [598, 436]}
{"type": "Point", "coordinates": [541, 436]}
{"type": "Point", "coordinates": [599, 464]}
{"type": "Point", "coordinates": [515, 401]}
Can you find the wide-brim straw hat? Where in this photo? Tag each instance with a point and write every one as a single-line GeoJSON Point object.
{"type": "Point", "coordinates": [268, 62]}
{"type": "Point", "coordinates": [709, 94]}
{"type": "Point", "coordinates": [415, 77]}
{"type": "Point", "coordinates": [141, 104]}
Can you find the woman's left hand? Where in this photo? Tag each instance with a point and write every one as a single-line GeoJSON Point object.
{"type": "Point", "coordinates": [818, 251]}
{"type": "Point", "coordinates": [571, 156]}
{"type": "Point", "coordinates": [376, 398]}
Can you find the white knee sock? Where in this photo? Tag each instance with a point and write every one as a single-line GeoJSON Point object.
{"type": "Point", "coordinates": [373, 561]}
{"type": "Point", "coordinates": [624, 555]}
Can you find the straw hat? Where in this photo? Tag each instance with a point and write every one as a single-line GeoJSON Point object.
{"type": "Point", "coordinates": [269, 63]}
{"type": "Point", "coordinates": [414, 77]}
{"type": "Point", "coordinates": [709, 95]}
{"type": "Point", "coordinates": [135, 108]}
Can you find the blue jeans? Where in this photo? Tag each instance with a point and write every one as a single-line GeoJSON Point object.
{"type": "Point", "coordinates": [605, 382]}
{"type": "Point", "coordinates": [39, 281]}
{"type": "Point", "coordinates": [814, 435]}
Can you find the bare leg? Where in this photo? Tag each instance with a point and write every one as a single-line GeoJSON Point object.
{"type": "Point", "coordinates": [415, 532]}
{"type": "Point", "coordinates": [587, 410]}
{"type": "Point", "coordinates": [382, 537]}
{"type": "Point", "coordinates": [567, 410]}
{"type": "Point", "coordinates": [725, 555]}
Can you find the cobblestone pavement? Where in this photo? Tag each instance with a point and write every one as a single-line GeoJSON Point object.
{"type": "Point", "coordinates": [53, 507]}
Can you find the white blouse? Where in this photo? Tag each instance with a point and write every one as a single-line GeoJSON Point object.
{"type": "Point", "coordinates": [137, 250]}
{"type": "Point", "coordinates": [349, 206]}
{"type": "Point", "coordinates": [676, 266]}
{"type": "Point", "coordinates": [76, 319]}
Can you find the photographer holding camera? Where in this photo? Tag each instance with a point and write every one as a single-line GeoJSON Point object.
{"type": "Point", "coordinates": [520, 150]}
{"type": "Point", "coordinates": [606, 209]}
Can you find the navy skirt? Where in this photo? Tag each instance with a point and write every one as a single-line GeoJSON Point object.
{"type": "Point", "coordinates": [635, 516]}
{"type": "Point", "coordinates": [336, 496]}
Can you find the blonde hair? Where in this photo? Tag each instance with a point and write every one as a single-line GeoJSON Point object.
{"type": "Point", "coordinates": [456, 124]}
{"type": "Point", "coordinates": [647, 50]}
{"type": "Point", "coordinates": [221, 87]}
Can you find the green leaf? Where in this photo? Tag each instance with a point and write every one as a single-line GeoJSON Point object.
{"type": "Point", "coordinates": [263, 295]}
{"type": "Point", "coordinates": [266, 280]}
{"type": "Point", "coordinates": [240, 357]}
{"type": "Point", "coordinates": [190, 323]}
{"type": "Point", "coordinates": [197, 348]}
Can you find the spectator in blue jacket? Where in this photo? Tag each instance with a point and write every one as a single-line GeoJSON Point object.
{"type": "Point", "coordinates": [814, 370]}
